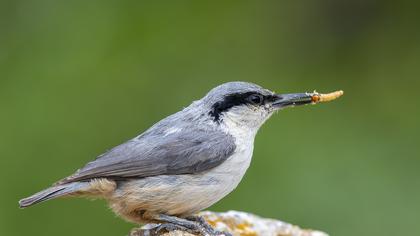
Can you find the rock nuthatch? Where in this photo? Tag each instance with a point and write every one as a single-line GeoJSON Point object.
{"type": "Point", "coordinates": [185, 162]}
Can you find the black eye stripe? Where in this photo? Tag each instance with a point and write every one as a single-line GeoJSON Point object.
{"type": "Point", "coordinates": [234, 100]}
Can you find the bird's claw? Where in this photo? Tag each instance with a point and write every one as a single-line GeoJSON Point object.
{"type": "Point", "coordinates": [196, 225]}
{"type": "Point", "coordinates": [210, 231]}
{"type": "Point", "coordinates": [168, 227]}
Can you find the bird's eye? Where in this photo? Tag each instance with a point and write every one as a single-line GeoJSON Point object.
{"type": "Point", "coordinates": [256, 99]}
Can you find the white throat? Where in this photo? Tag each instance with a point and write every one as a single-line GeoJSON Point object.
{"type": "Point", "coordinates": [243, 124]}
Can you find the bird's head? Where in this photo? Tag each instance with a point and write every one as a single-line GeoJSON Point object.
{"type": "Point", "coordinates": [248, 106]}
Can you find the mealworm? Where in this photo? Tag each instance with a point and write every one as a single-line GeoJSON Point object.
{"type": "Point", "coordinates": [320, 97]}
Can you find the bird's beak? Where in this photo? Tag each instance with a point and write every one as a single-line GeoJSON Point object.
{"type": "Point", "coordinates": [296, 99]}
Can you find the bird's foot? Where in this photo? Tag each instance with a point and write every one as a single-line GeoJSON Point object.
{"type": "Point", "coordinates": [167, 227]}
{"type": "Point", "coordinates": [175, 223]}
{"type": "Point", "coordinates": [195, 225]}
{"type": "Point", "coordinates": [210, 230]}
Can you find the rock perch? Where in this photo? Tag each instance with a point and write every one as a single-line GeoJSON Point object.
{"type": "Point", "coordinates": [240, 224]}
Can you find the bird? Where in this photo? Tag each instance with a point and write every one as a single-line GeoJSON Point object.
{"type": "Point", "coordinates": [184, 163]}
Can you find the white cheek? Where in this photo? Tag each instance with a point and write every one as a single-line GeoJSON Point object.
{"type": "Point", "coordinates": [244, 121]}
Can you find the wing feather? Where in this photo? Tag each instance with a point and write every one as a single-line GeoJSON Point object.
{"type": "Point", "coordinates": [155, 153]}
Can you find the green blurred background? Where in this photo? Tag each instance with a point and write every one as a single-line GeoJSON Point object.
{"type": "Point", "coordinates": [79, 77]}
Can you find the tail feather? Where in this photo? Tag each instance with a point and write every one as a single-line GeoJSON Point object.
{"type": "Point", "coordinates": [50, 193]}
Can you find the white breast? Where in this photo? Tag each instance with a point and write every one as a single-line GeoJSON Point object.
{"type": "Point", "coordinates": [231, 172]}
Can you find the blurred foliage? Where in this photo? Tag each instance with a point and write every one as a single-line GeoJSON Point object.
{"type": "Point", "coordinates": [79, 77]}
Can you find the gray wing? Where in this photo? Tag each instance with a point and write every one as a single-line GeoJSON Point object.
{"type": "Point", "coordinates": [184, 152]}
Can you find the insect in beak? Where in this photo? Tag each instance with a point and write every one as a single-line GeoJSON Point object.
{"type": "Point", "coordinates": [296, 99]}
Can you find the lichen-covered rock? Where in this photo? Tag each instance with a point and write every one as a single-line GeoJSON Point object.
{"type": "Point", "coordinates": [243, 224]}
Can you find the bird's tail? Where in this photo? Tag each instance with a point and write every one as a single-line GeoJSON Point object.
{"type": "Point", "coordinates": [52, 192]}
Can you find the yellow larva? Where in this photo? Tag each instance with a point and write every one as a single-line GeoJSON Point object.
{"type": "Point", "coordinates": [319, 97]}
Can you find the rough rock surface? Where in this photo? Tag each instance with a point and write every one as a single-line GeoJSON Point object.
{"type": "Point", "coordinates": [242, 224]}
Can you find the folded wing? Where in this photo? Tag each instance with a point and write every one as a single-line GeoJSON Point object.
{"type": "Point", "coordinates": [152, 154]}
